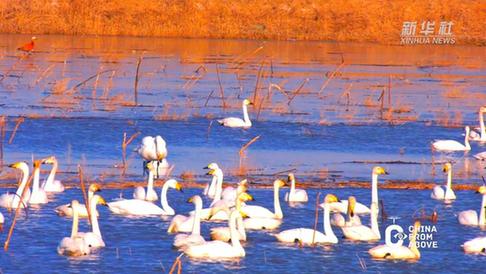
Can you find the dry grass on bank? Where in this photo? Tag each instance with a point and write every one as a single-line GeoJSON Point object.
{"type": "Point", "coordinates": [354, 20]}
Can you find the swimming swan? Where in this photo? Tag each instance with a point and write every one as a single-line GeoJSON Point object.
{"type": "Point", "coordinates": [51, 184]}
{"type": "Point", "coordinates": [398, 252]}
{"type": "Point", "coordinates": [470, 217]}
{"type": "Point", "coordinates": [66, 210]}
{"type": "Point", "coordinates": [151, 195]}
{"type": "Point", "coordinates": [181, 241]}
{"type": "Point", "coordinates": [38, 194]}
{"type": "Point", "coordinates": [94, 238]}
{"type": "Point", "coordinates": [144, 208]}
{"type": "Point", "coordinates": [11, 200]}
{"type": "Point", "coordinates": [295, 195]}
{"type": "Point", "coordinates": [362, 232]}
{"type": "Point", "coordinates": [452, 145]}
{"type": "Point", "coordinates": [444, 192]}
{"type": "Point", "coordinates": [309, 236]}
{"type": "Point", "coordinates": [74, 245]}
{"type": "Point", "coordinates": [219, 249]}
{"type": "Point", "coordinates": [481, 136]}
{"type": "Point", "coordinates": [234, 122]}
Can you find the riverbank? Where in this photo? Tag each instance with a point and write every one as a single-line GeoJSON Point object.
{"type": "Point", "coordinates": [361, 21]}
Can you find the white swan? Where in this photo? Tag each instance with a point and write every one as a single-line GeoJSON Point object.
{"type": "Point", "coordinates": [230, 194]}
{"type": "Point", "coordinates": [470, 217]}
{"type": "Point", "coordinates": [295, 195]}
{"type": "Point", "coordinates": [38, 195]}
{"type": "Point", "coordinates": [181, 241]}
{"type": "Point", "coordinates": [219, 249]}
{"type": "Point", "coordinates": [154, 149]}
{"type": "Point", "coordinates": [362, 232]}
{"type": "Point", "coordinates": [224, 233]}
{"type": "Point", "coordinates": [217, 179]}
{"type": "Point", "coordinates": [475, 246]}
{"type": "Point", "coordinates": [481, 136]}
{"type": "Point", "coordinates": [74, 245]}
{"type": "Point", "coordinates": [309, 236]}
{"type": "Point", "coordinates": [66, 210]}
{"type": "Point", "coordinates": [262, 218]}
{"type": "Point", "coordinates": [444, 192]}
{"type": "Point", "coordinates": [51, 184]}
{"type": "Point", "coordinates": [151, 195]}
{"type": "Point", "coordinates": [234, 122]}
{"type": "Point", "coordinates": [480, 156]}
{"type": "Point", "coordinates": [94, 238]}
{"type": "Point", "coordinates": [11, 200]}
{"type": "Point", "coordinates": [352, 219]}
{"type": "Point", "coordinates": [142, 207]}
{"type": "Point", "coordinates": [398, 252]}
{"type": "Point", "coordinates": [452, 145]}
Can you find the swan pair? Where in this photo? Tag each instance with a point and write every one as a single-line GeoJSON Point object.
{"type": "Point", "coordinates": [295, 195]}
{"type": "Point", "coordinates": [154, 149]}
{"type": "Point", "coordinates": [67, 210]}
{"type": "Point", "coordinates": [398, 252]}
{"type": "Point", "coordinates": [80, 244]}
{"type": "Point", "coordinates": [444, 192]}
{"type": "Point", "coordinates": [144, 208]}
{"type": "Point", "coordinates": [234, 122]}
{"type": "Point", "coordinates": [452, 145]}
{"type": "Point", "coordinates": [219, 249]}
{"type": "Point", "coordinates": [308, 236]}
{"type": "Point", "coordinates": [359, 232]}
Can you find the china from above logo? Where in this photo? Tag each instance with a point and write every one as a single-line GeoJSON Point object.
{"type": "Point", "coordinates": [427, 35]}
{"type": "Point", "coordinates": [425, 238]}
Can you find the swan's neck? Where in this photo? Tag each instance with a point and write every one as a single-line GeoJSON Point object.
{"type": "Point", "coordinates": [150, 183]}
{"type": "Point", "coordinates": [196, 225]}
{"type": "Point", "coordinates": [219, 186]}
{"type": "Point", "coordinates": [163, 200]}
{"type": "Point", "coordinates": [481, 126]}
{"type": "Point", "coordinates": [449, 180]}
{"type": "Point", "coordinates": [327, 222]}
{"type": "Point", "coordinates": [292, 186]}
{"type": "Point", "coordinates": [35, 184]}
{"type": "Point", "coordinates": [74, 229]}
{"type": "Point", "coordinates": [20, 190]}
{"type": "Point", "coordinates": [241, 227]}
{"type": "Point", "coordinates": [210, 190]}
{"type": "Point", "coordinates": [246, 118]}
{"type": "Point", "coordinates": [276, 203]}
{"type": "Point", "coordinates": [482, 212]}
{"type": "Point", "coordinates": [374, 220]}
{"type": "Point", "coordinates": [412, 245]}
{"type": "Point", "coordinates": [235, 239]}
{"type": "Point", "coordinates": [52, 174]}
{"type": "Point", "coordinates": [374, 188]}
{"type": "Point", "coordinates": [94, 220]}
{"type": "Point", "coordinates": [466, 141]}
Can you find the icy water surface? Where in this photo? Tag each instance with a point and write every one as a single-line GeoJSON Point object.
{"type": "Point", "coordinates": [327, 111]}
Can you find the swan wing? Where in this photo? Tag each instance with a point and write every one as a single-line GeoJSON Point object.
{"type": "Point", "coordinates": [135, 207]}
{"type": "Point", "coordinates": [253, 211]}
{"type": "Point", "coordinates": [476, 245]}
{"type": "Point", "coordinates": [438, 193]}
{"type": "Point", "coordinates": [232, 122]}
{"type": "Point", "coordinates": [448, 145]}
{"type": "Point", "coordinates": [139, 193]}
{"type": "Point", "coordinates": [261, 223]}
{"type": "Point", "coordinates": [212, 249]}
{"type": "Point", "coordinates": [359, 233]}
{"type": "Point", "coordinates": [468, 217]}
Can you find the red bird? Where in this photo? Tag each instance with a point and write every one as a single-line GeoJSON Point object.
{"type": "Point", "coordinates": [29, 46]}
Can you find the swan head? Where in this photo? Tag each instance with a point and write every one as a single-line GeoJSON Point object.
{"type": "Point", "coordinates": [290, 177]}
{"type": "Point", "coordinates": [20, 165]}
{"type": "Point", "coordinates": [331, 198]}
{"type": "Point", "coordinates": [150, 166]}
{"type": "Point", "coordinates": [247, 102]}
{"type": "Point", "coordinates": [99, 200]}
{"type": "Point", "coordinates": [37, 164]}
{"type": "Point", "coordinates": [174, 184]}
{"type": "Point", "coordinates": [278, 183]}
{"type": "Point", "coordinates": [211, 166]}
{"type": "Point", "coordinates": [49, 160]}
{"type": "Point", "coordinates": [94, 188]}
{"type": "Point", "coordinates": [446, 167]}
{"type": "Point", "coordinates": [481, 190]}
{"type": "Point", "coordinates": [244, 196]}
{"type": "Point", "coordinates": [196, 199]}
{"type": "Point", "coordinates": [378, 170]}
{"type": "Point", "coordinates": [242, 186]}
